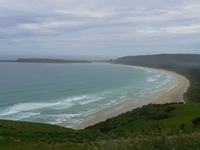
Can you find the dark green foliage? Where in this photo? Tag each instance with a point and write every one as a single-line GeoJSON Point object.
{"type": "Point", "coordinates": [193, 93]}
{"type": "Point", "coordinates": [196, 121]}
{"type": "Point", "coordinates": [149, 112]}
{"type": "Point", "coordinates": [142, 128]}
{"type": "Point", "coordinates": [34, 132]}
{"type": "Point", "coordinates": [156, 112]}
{"type": "Point", "coordinates": [182, 126]}
{"type": "Point", "coordinates": [175, 117]}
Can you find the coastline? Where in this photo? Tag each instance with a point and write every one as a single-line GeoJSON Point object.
{"type": "Point", "coordinates": [172, 95]}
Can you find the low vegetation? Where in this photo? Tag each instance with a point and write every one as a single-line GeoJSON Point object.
{"type": "Point", "coordinates": [160, 125]}
{"type": "Point", "coordinates": [26, 135]}
{"type": "Point", "coordinates": [193, 94]}
{"type": "Point", "coordinates": [172, 118]}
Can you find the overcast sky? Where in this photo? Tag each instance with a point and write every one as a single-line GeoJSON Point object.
{"type": "Point", "coordinates": [98, 29]}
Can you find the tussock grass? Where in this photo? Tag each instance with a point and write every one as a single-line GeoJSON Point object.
{"type": "Point", "coordinates": [147, 142]}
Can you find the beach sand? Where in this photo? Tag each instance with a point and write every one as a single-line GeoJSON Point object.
{"type": "Point", "coordinates": [174, 95]}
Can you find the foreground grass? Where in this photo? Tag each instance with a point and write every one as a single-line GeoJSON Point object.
{"type": "Point", "coordinates": [142, 142]}
{"type": "Point", "coordinates": [24, 135]}
{"type": "Point", "coordinates": [137, 142]}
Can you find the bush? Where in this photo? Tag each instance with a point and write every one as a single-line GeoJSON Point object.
{"type": "Point", "coordinates": [196, 121]}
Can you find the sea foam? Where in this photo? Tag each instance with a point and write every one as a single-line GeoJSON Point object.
{"type": "Point", "coordinates": [72, 93]}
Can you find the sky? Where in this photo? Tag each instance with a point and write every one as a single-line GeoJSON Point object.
{"type": "Point", "coordinates": [98, 29]}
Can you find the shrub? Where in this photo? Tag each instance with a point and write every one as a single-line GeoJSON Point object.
{"type": "Point", "coordinates": [196, 121]}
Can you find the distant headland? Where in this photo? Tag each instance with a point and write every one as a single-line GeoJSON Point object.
{"type": "Point", "coordinates": [41, 60]}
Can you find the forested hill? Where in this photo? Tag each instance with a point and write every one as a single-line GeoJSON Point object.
{"type": "Point", "coordinates": [165, 61]}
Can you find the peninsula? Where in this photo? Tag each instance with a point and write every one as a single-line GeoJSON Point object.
{"type": "Point", "coordinates": [41, 60]}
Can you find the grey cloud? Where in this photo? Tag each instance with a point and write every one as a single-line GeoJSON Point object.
{"type": "Point", "coordinates": [112, 26]}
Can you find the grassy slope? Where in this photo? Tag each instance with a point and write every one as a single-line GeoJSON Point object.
{"type": "Point", "coordinates": [152, 118]}
{"type": "Point", "coordinates": [141, 123]}
{"type": "Point", "coordinates": [16, 135]}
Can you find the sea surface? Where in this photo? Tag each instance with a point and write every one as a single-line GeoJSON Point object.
{"type": "Point", "coordinates": [69, 94]}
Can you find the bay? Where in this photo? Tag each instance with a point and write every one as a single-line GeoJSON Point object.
{"type": "Point", "coordinates": [69, 94]}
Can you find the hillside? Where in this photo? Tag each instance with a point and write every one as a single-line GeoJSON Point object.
{"type": "Point", "coordinates": [174, 62]}
{"type": "Point", "coordinates": [148, 127]}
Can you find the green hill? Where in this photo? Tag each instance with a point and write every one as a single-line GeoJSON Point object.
{"type": "Point", "coordinates": [175, 62]}
{"type": "Point", "coordinates": [170, 117]}
{"type": "Point", "coordinates": [148, 127]}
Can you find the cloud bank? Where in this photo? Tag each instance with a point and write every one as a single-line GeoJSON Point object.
{"type": "Point", "coordinates": [98, 29]}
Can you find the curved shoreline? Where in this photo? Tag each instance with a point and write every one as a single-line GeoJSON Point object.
{"type": "Point", "coordinates": [174, 95]}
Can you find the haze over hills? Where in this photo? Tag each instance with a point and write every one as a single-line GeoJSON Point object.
{"type": "Point", "coordinates": [165, 61]}
{"type": "Point", "coordinates": [187, 65]}
{"type": "Point", "coordinates": [175, 62]}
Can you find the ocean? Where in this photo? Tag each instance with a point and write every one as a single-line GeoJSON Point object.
{"type": "Point", "coordinates": [69, 94]}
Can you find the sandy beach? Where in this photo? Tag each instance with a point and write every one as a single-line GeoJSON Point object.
{"type": "Point", "coordinates": [174, 95]}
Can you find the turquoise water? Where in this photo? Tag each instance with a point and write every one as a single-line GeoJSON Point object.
{"type": "Point", "coordinates": [68, 94]}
